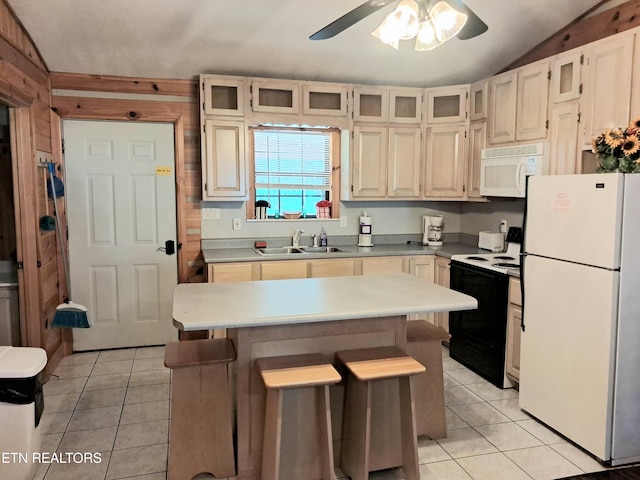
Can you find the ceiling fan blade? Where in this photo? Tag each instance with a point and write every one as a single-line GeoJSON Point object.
{"type": "Point", "coordinates": [350, 18]}
{"type": "Point", "coordinates": [474, 25]}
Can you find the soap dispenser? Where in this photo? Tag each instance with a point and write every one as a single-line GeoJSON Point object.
{"type": "Point", "coordinates": [323, 237]}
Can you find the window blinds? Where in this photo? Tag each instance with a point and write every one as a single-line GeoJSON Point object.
{"type": "Point", "coordinates": [292, 159]}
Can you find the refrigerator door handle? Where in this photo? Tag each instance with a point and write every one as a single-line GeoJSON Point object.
{"type": "Point", "coordinates": [522, 262]}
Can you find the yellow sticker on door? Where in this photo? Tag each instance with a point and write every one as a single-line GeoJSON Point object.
{"type": "Point", "coordinates": [163, 170]}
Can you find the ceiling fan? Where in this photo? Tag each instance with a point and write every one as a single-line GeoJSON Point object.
{"type": "Point", "coordinates": [473, 27]}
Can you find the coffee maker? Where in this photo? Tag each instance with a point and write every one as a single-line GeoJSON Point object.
{"type": "Point", "coordinates": [432, 230]}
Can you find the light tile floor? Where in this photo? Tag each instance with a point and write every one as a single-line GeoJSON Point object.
{"type": "Point", "coordinates": [116, 402]}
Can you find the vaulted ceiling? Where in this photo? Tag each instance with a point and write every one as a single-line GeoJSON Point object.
{"type": "Point", "coordinates": [184, 38]}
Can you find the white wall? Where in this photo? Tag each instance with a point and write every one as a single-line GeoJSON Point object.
{"type": "Point", "coordinates": [477, 217]}
{"type": "Point", "coordinates": [386, 217]}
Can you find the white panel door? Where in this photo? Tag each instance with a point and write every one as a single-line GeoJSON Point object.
{"type": "Point", "coordinates": [120, 196]}
{"type": "Point", "coordinates": [568, 349]}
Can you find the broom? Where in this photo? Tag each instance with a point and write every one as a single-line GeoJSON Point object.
{"type": "Point", "coordinates": [68, 314]}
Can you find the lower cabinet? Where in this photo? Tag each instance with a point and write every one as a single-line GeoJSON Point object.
{"type": "Point", "coordinates": [284, 269]}
{"type": "Point", "coordinates": [382, 265]}
{"type": "Point", "coordinates": [423, 267]}
{"type": "Point", "coordinates": [336, 267]}
{"type": "Point", "coordinates": [514, 318]}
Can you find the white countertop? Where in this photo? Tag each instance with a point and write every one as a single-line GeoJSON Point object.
{"type": "Point", "coordinates": [201, 306]}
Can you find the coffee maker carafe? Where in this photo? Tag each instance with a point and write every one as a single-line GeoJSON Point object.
{"type": "Point", "coordinates": [432, 230]}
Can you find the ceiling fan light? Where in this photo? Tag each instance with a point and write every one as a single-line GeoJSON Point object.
{"type": "Point", "coordinates": [427, 38]}
{"type": "Point", "coordinates": [387, 32]}
{"type": "Point", "coordinates": [447, 21]}
{"type": "Point", "coordinates": [406, 19]}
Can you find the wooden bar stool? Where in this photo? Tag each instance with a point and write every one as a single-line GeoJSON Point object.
{"type": "Point", "coordinates": [367, 366]}
{"type": "Point", "coordinates": [424, 343]}
{"type": "Point", "coordinates": [200, 433]}
{"type": "Point", "coordinates": [291, 442]}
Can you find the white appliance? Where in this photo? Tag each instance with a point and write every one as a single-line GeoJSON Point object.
{"type": "Point", "coordinates": [432, 230]}
{"type": "Point", "coordinates": [580, 352]}
{"type": "Point", "coordinates": [493, 241]}
{"type": "Point", "coordinates": [503, 170]}
{"type": "Point", "coordinates": [365, 235]}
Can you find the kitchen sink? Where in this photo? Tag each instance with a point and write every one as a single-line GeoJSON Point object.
{"type": "Point", "coordinates": [294, 250]}
{"type": "Point", "coordinates": [321, 249]}
{"type": "Point", "coordinates": [278, 250]}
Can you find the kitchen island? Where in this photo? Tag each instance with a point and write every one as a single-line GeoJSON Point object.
{"type": "Point", "coordinates": [313, 315]}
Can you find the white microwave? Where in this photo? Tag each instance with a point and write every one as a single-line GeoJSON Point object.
{"type": "Point", "coordinates": [503, 170]}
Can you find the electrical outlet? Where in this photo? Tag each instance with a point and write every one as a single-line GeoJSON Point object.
{"type": "Point", "coordinates": [343, 221]}
{"type": "Point", "coordinates": [503, 226]}
{"type": "Point", "coordinates": [236, 224]}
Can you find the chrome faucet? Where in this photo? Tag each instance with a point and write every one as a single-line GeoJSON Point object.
{"type": "Point", "coordinates": [296, 237]}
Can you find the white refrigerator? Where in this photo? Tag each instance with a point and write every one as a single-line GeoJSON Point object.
{"type": "Point", "coordinates": [580, 351]}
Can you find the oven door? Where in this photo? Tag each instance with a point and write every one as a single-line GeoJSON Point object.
{"type": "Point", "coordinates": [478, 337]}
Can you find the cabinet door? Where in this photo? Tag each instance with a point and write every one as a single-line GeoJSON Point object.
{"type": "Point", "coordinates": [563, 154]}
{"type": "Point", "coordinates": [230, 272]}
{"type": "Point", "coordinates": [275, 97]}
{"type": "Point", "coordinates": [442, 278]}
{"type": "Point", "coordinates": [403, 171]}
{"type": "Point", "coordinates": [222, 96]}
{"type": "Point", "coordinates": [502, 108]}
{"type": "Point", "coordinates": [514, 332]}
{"type": "Point", "coordinates": [279, 270]}
{"type": "Point", "coordinates": [608, 85]}
{"type": "Point", "coordinates": [370, 104]}
{"type": "Point", "coordinates": [223, 169]}
{"type": "Point", "coordinates": [532, 101]}
{"type": "Point", "coordinates": [324, 100]}
{"type": "Point", "coordinates": [565, 76]}
{"type": "Point", "coordinates": [478, 100]}
{"type": "Point", "coordinates": [369, 177]}
{"type": "Point", "coordinates": [382, 265]}
{"type": "Point", "coordinates": [336, 267]}
{"type": "Point", "coordinates": [423, 267]}
{"type": "Point", "coordinates": [405, 106]}
{"type": "Point", "coordinates": [444, 162]}
{"type": "Point", "coordinates": [447, 105]}
{"type": "Point", "coordinates": [477, 141]}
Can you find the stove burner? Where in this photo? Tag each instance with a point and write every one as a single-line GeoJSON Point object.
{"type": "Point", "coordinates": [506, 264]}
{"type": "Point", "coordinates": [503, 257]}
{"type": "Point", "coordinates": [479, 259]}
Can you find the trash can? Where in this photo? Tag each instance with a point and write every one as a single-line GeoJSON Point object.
{"type": "Point", "coordinates": [21, 406]}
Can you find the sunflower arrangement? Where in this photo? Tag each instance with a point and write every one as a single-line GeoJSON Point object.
{"type": "Point", "coordinates": [618, 149]}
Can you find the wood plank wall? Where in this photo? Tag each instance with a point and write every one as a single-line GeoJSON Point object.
{"type": "Point", "coordinates": [585, 30]}
{"type": "Point", "coordinates": [24, 85]}
{"type": "Point", "coordinates": [138, 99]}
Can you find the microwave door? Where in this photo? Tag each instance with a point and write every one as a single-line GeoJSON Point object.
{"type": "Point", "coordinates": [499, 177]}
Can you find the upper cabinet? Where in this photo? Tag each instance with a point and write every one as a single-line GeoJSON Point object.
{"type": "Point", "coordinates": [607, 79]}
{"type": "Point", "coordinates": [222, 96]}
{"type": "Point", "coordinates": [565, 76]}
{"type": "Point", "coordinates": [387, 105]}
{"type": "Point", "coordinates": [445, 162]}
{"type": "Point", "coordinates": [447, 104]}
{"type": "Point", "coordinates": [478, 100]}
{"type": "Point", "coordinates": [321, 99]}
{"type": "Point", "coordinates": [502, 108]}
{"type": "Point", "coordinates": [275, 96]}
{"type": "Point", "coordinates": [223, 160]}
{"type": "Point", "coordinates": [386, 162]}
{"type": "Point", "coordinates": [532, 99]}
{"type": "Point", "coordinates": [405, 105]}
{"type": "Point", "coordinates": [477, 140]}
{"type": "Point", "coordinates": [518, 104]}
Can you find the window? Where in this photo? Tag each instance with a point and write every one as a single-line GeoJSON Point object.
{"type": "Point", "coordinates": [293, 169]}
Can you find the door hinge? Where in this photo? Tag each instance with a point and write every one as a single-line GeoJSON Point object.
{"type": "Point", "coordinates": [546, 124]}
{"type": "Point", "coordinates": [579, 116]}
{"type": "Point", "coordinates": [549, 75]}
{"type": "Point", "coordinates": [38, 264]}
{"type": "Point", "coordinates": [204, 128]}
{"type": "Point", "coordinates": [465, 134]}
{"type": "Point", "coordinates": [582, 59]}
{"type": "Point", "coordinates": [62, 143]}
{"type": "Point", "coordinates": [351, 188]}
{"type": "Point", "coordinates": [203, 106]}
{"type": "Point", "coordinates": [202, 84]}
{"type": "Point", "coordinates": [20, 266]}
{"type": "Point", "coordinates": [580, 89]}
{"type": "Point", "coordinates": [464, 188]}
